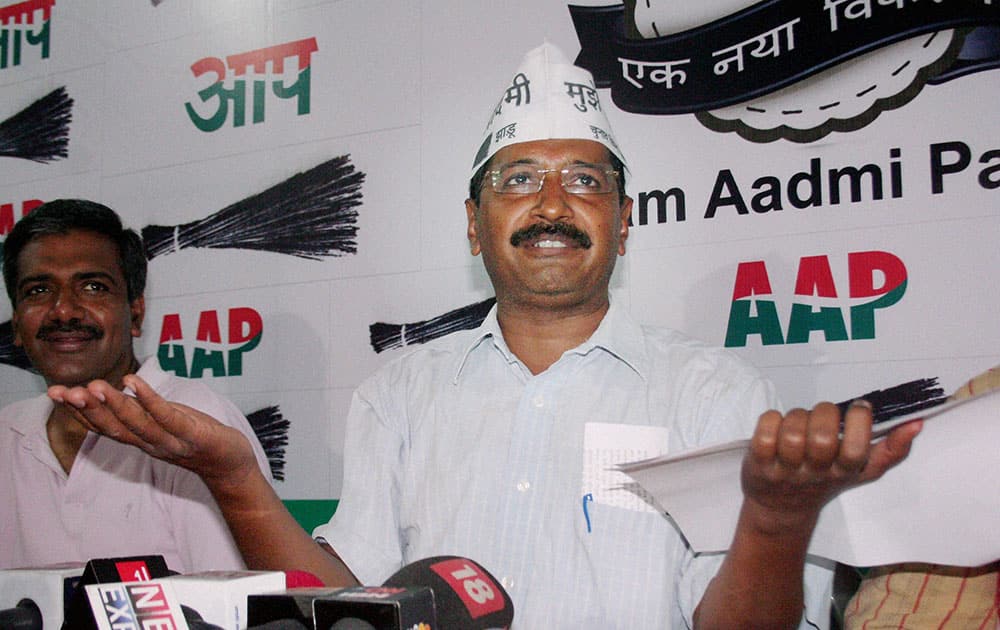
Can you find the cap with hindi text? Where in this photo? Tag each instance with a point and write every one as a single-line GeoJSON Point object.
{"type": "Point", "coordinates": [547, 98]}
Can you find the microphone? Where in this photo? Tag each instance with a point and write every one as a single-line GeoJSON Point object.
{"type": "Point", "coordinates": [466, 596]}
{"type": "Point", "coordinates": [442, 592]}
{"type": "Point", "coordinates": [25, 616]}
{"type": "Point", "coordinates": [222, 597]}
{"type": "Point", "coordinates": [128, 605]}
{"type": "Point", "coordinates": [80, 614]}
{"type": "Point", "coordinates": [294, 605]}
{"type": "Point", "coordinates": [49, 589]}
{"type": "Point", "coordinates": [376, 608]}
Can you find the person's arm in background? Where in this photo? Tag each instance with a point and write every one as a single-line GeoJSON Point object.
{"type": "Point", "coordinates": [267, 535]}
{"type": "Point", "coordinates": [202, 536]}
{"type": "Point", "coordinates": [796, 463]}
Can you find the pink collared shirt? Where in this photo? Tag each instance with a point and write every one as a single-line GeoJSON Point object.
{"type": "Point", "coordinates": [116, 500]}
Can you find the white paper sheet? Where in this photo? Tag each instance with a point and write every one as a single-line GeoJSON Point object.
{"type": "Point", "coordinates": [941, 504]}
{"type": "Point", "coordinates": [607, 444]}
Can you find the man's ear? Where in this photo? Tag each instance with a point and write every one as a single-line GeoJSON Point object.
{"type": "Point", "coordinates": [626, 214]}
{"type": "Point", "coordinates": [138, 311]}
{"type": "Point", "coordinates": [470, 211]}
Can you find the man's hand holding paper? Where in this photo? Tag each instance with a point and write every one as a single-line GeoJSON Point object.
{"type": "Point", "coordinates": [939, 504]}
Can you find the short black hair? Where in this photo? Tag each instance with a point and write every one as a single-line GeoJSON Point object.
{"type": "Point", "coordinates": [62, 216]}
{"type": "Point", "coordinates": [476, 183]}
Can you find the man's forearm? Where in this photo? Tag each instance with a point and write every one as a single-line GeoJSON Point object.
{"type": "Point", "coordinates": [268, 536]}
{"type": "Point", "coordinates": [759, 585]}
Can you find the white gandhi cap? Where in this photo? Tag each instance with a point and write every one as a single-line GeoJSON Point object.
{"type": "Point", "coordinates": [548, 98]}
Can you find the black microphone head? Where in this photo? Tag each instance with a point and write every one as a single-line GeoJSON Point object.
{"type": "Point", "coordinates": [195, 621]}
{"type": "Point", "coordinates": [466, 596]}
{"type": "Point", "coordinates": [25, 616]}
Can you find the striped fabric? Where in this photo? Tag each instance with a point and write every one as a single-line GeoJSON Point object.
{"type": "Point", "coordinates": [911, 596]}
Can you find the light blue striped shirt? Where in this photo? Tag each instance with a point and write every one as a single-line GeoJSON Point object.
{"type": "Point", "coordinates": [456, 448]}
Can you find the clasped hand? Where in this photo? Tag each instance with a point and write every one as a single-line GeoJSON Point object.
{"type": "Point", "coordinates": [798, 462]}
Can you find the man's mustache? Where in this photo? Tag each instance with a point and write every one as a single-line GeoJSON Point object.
{"type": "Point", "coordinates": [541, 229]}
{"type": "Point", "coordinates": [45, 333]}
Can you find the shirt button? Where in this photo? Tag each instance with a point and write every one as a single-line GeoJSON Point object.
{"type": "Point", "coordinates": [507, 582]}
{"type": "Point", "coordinates": [523, 486]}
{"type": "Point", "coordinates": [538, 401]}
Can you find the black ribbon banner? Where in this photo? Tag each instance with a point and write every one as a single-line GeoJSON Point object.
{"type": "Point", "coordinates": [761, 49]}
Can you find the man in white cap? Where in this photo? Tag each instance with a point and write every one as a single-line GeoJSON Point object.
{"type": "Point", "coordinates": [474, 444]}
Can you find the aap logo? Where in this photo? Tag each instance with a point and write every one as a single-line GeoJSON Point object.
{"type": "Point", "coordinates": [211, 352]}
{"type": "Point", "coordinates": [876, 279]}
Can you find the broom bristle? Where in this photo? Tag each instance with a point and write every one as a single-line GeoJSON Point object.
{"type": "Point", "coordinates": [901, 399]}
{"type": "Point", "coordinates": [11, 354]}
{"type": "Point", "coordinates": [384, 336]}
{"type": "Point", "coordinates": [271, 429]}
{"type": "Point", "coordinates": [40, 131]}
{"type": "Point", "coordinates": [309, 215]}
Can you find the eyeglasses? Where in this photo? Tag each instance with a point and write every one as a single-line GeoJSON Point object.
{"type": "Point", "coordinates": [576, 179]}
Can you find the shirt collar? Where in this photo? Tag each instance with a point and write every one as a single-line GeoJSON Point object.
{"type": "Point", "coordinates": [41, 406]}
{"type": "Point", "coordinates": [32, 415]}
{"type": "Point", "coordinates": [150, 372]}
{"type": "Point", "coordinates": [618, 335]}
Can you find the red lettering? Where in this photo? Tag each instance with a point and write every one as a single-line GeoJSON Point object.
{"type": "Point", "coordinates": [244, 324]}
{"type": "Point", "coordinates": [258, 59]}
{"type": "Point", "coordinates": [862, 268]}
{"type": "Point", "coordinates": [26, 10]}
{"type": "Point", "coordinates": [208, 327]}
{"type": "Point", "coordinates": [148, 599]}
{"type": "Point", "coordinates": [815, 277]}
{"type": "Point", "coordinates": [171, 329]}
{"type": "Point", "coordinates": [751, 279]}
{"type": "Point", "coordinates": [478, 592]}
{"type": "Point", "coordinates": [6, 218]}
{"type": "Point", "coordinates": [7, 213]}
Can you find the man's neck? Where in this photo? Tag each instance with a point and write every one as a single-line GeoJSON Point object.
{"type": "Point", "coordinates": [65, 436]}
{"type": "Point", "coordinates": [539, 336]}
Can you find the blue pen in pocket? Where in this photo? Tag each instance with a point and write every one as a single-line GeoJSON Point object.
{"type": "Point", "coordinates": [586, 515]}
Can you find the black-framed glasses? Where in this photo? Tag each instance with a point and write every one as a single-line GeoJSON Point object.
{"type": "Point", "coordinates": [576, 179]}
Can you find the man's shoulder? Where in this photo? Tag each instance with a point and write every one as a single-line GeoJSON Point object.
{"type": "Point", "coordinates": [670, 347]}
{"type": "Point", "coordinates": [24, 411]}
{"type": "Point", "coordinates": [430, 360]}
{"type": "Point", "coordinates": [190, 392]}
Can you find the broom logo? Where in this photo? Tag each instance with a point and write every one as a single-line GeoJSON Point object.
{"type": "Point", "coordinates": [385, 336]}
{"type": "Point", "coordinates": [310, 215]}
{"type": "Point", "coordinates": [12, 40]}
{"type": "Point", "coordinates": [271, 429]}
{"type": "Point", "coordinates": [40, 131]}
